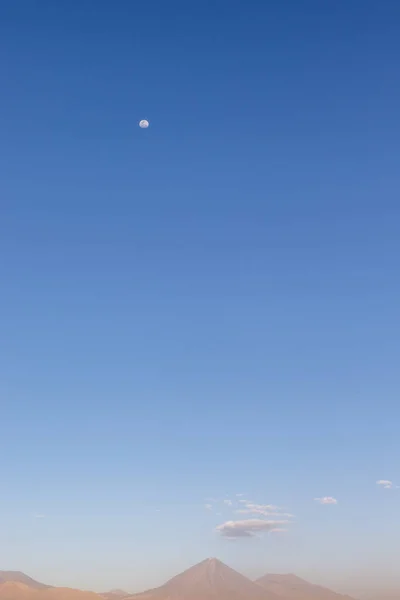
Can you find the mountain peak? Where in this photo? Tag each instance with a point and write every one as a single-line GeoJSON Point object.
{"type": "Point", "coordinates": [210, 564]}
{"type": "Point", "coordinates": [210, 579]}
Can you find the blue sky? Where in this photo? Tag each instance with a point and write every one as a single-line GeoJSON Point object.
{"type": "Point", "coordinates": [205, 308]}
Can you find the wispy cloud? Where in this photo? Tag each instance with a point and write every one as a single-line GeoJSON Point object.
{"type": "Point", "coordinates": [228, 502]}
{"type": "Point", "coordinates": [252, 506]}
{"type": "Point", "coordinates": [265, 513]}
{"type": "Point", "coordinates": [385, 483]}
{"type": "Point", "coordinates": [208, 506]}
{"type": "Point", "coordinates": [326, 500]}
{"type": "Point", "coordinates": [266, 510]}
{"type": "Point", "coordinates": [39, 516]}
{"type": "Point", "coordinates": [248, 527]}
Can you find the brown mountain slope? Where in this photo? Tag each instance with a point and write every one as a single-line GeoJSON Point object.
{"type": "Point", "coordinates": [290, 587]}
{"type": "Point", "coordinates": [209, 580]}
{"type": "Point", "coordinates": [67, 594]}
{"type": "Point", "coordinates": [19, 577]}
{"type": "Point", "coordinates": [12, 590]}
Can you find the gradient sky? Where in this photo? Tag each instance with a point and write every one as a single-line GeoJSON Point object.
{"type": "Point", "coordinates": [205, 308]}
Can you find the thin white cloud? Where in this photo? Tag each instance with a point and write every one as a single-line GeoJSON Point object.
{"type": "Point", "coordinates": [326, 500]}
{"type": "Point", "coordinates": [248, 527]}
{"type": "Point", "coordinates": [265, 513]}
{"type": "Point", "coordinates": [265, 510]}
{"type": "Point", "coordinates": [239, 495]}
{"type": "Point", "coordinates": [385, 483]}
{"type": "Point", "coordinates": [228, 502]}
{"type": "Point", "coordinates": [208, 506]}
{"type": "Point", "coordinates": [261, 506]}
{"type": "Point", "coordinates": [39, 516]}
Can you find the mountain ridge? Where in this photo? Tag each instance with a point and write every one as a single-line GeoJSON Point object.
{"type": "Point", "coordinates": [19, 577]}
{"type": "Point", "coordinates": [292, 587]}
{"type": "Point", "coordinates": [16, 590]}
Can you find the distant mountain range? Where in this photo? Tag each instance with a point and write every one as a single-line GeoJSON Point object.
{"type": "Point", "coordinates": [208, 580]}
{"type": "Point", "coordinates": [18, 586]}
{"type": "Point", "coordinates": [114, 595]}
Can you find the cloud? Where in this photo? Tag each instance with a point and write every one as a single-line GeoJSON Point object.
{"type": "Point", "coordinates": [385, 483]}
{"type": "Point", "coordinates": [39, 516]}
{"type": "Point", "coordinates": [326, 500]}
{"type": "Point", "coordinates": [265, 513]}
{"type": "Point", "coordinates": [248, 527]}
{"type": "Point", "coordinates": [266, 510]}
{"type": "Point", "coordinates": [228, 502]}
{"type": "Point", "coordinates": [262, 506]}
{"type": "Point", "coordinates": [239, 495]}
{"type": "Point", "coordinates": [208, 506]}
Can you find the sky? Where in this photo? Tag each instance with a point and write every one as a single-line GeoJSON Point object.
{"type": "Point", "coordinates": [204, 308]}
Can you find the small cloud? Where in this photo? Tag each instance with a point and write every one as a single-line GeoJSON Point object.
{"type": "Point", "coordinates": [228, 502]}
{"type": "Point", "coordinates": [265, 513]}
{"type": "Point", "coordinates": [266, 510]}
{"type": "Point", "coordinates": [385, 483]}
{"type": "Point", "coordinates": [39, 516]}
{"type": "Point", "coordinates": [239, 495]}
{"type": "Point", "coordinates": [326, 500]}
{"type": "Point", "coordinates": [248, 527]}
{"type": "Point", "coordinates": [261, 506]}
{"type": "Point", "coordinates": [208, 506]}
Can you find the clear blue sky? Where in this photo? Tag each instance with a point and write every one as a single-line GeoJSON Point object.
{"type": "Point", "coordinates": [207, 307]}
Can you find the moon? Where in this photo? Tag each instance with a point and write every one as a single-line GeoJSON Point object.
{"type": "Point", "coordinates": [144, 124]}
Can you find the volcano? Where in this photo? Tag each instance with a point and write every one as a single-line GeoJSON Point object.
{"type": "Point", "coordinates": [208, 580]}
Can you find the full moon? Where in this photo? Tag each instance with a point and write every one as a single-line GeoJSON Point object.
{"type": "Point", "coordinates": [143, 124]}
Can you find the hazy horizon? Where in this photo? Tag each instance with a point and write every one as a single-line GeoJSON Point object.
{"type": "Point", "coordinates": [200, 334]}
{"type": "Point", "coordinates": [362, 585]}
